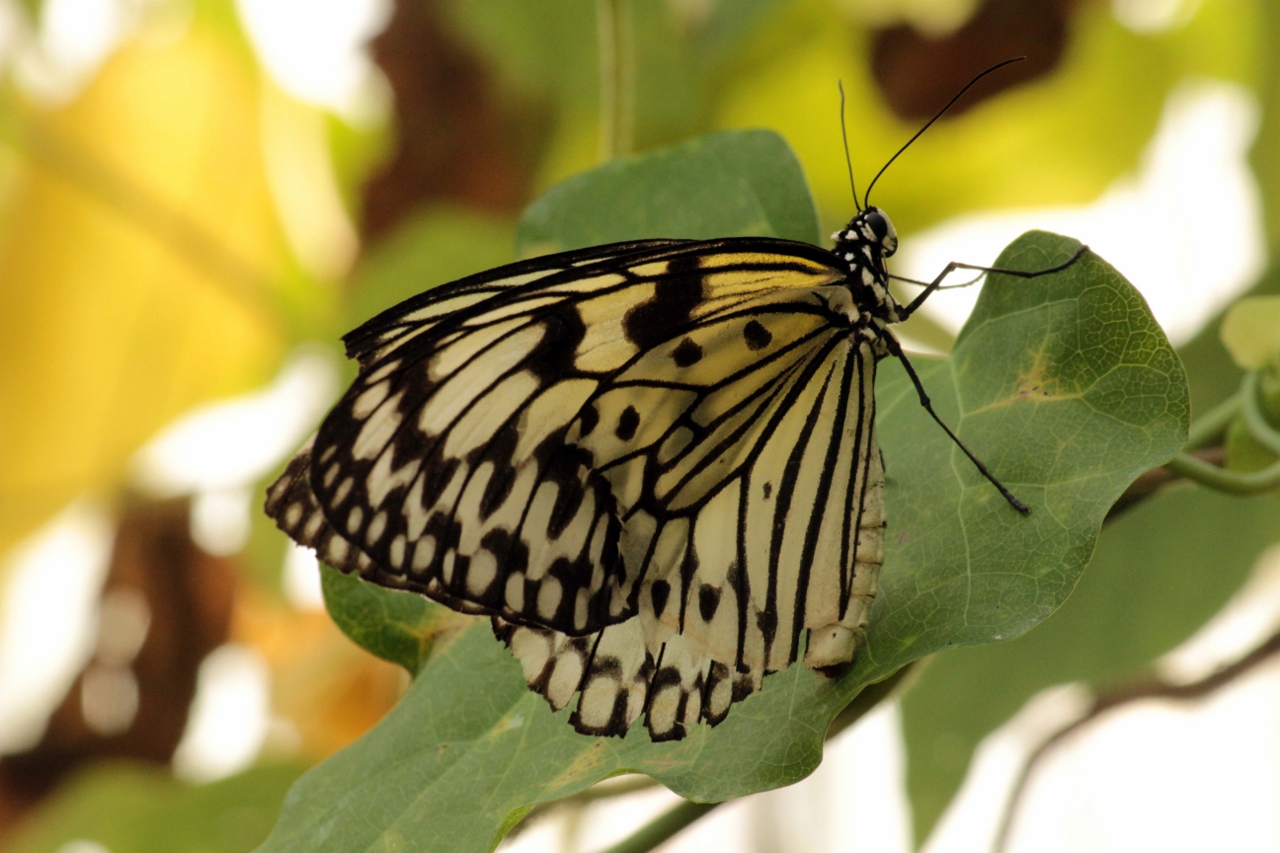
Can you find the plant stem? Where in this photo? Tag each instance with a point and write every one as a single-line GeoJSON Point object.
{"type": "Point", "coordinates": [1224, 480]}
{"type": "Point", "coordinates": [617, 77]}
{"type": "Point", "coordinates": [662, 828]}
{"type": "Point", "coordinates": [1209, 427]}
{"type": "Point", "coordinates": [1256, 422]}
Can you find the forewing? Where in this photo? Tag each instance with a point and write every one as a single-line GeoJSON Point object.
{"type": "Point", "coordinates": [447, 464]}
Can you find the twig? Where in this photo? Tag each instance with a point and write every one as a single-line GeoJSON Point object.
{"type": "Point", "coordinates": [1109, 701]}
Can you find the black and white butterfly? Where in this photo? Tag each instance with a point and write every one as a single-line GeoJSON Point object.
{"type": "Point", "coordinates": [653, 464]}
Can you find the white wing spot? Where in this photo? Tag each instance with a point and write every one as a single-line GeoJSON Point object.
{"type": "Point", "coordinates": [376, 528]}
{"type": "Point", "coordinates": [382, 480]}
{"type": "Point", "coordinates": [383, 372]}
{"type": "Point", "coordinates": [396, 551]}
{"type": "Point", "coordinates": [279, 488]}
{"type": "Point", "coordinates": [343, 490]}
{"type": "Point", "coordinates": [415, 514]}
{"type": "Point", "coordinates": [565, 679]}
{"type": "Point", "coordinates": [533, 650]}
{"type": "Point", "coordinates": [549, 595]}
{"type": "Point", "coordinates": [354, 519]}
{"type": "Point", "coordinates": [514, 592]}
{"type": "Point", "coordinates": [337, 550]}
{"type": "Point", "coordinates": [662, 709]}
{"type": "Point", "coordinates": [293, 515]}
{"type": "Point", "coordinates": [481, 572]}
{"type": "Point", "coordinates": [367, 402]}
{"type": "Point", "coordinates": [313, 525]}
{"type": "Point", "coordinates": [423, 552]}
{"type": "Point", "coordinates": [377, 431]}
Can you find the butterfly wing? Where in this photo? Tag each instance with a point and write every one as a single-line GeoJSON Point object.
{"type": "Point", "coordinates": [433, 469]}
{"type": "Point", "coordinates": [613, 438]}
{"type": "Point", "coordinates": [788, 537]}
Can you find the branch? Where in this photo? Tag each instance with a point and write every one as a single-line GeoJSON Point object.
{"type": "Point", "coordinates": [1119, 697]}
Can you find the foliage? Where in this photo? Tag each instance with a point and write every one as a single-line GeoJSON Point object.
{"type": "Point", "coordinates": [135, 809]}
{"type": "Point", "coordinates": [1067, 385]}
{"type": "Point", "coordinates": [176, 224]}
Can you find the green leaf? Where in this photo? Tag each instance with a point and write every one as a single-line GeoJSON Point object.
{"type": "Point", "coordinates": [401, 627]}
{"type": "Point", "coordinates": [739, 183]}
{"type": "Point", "coordinates": [131, 808]}
{"type": "Point", "coordinates": [1065, 386]}
{"type": "Point", "coordinates": [1068, 389]}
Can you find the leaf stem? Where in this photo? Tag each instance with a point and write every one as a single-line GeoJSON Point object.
{"type": "Point", "coordinates": [663, 827]}
{"type": "Point", "coordinates": [1212, 425]}
{"type": "Point", "coordinates": [1224, 480]}
{"type": "Point", "coordinates": [1209, 427]}
{"type": "Point", "coordinates": [1254, 419]}
{"type": "Point", "coordinates": [617, 78]}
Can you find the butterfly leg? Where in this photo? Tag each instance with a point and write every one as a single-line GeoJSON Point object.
{"type": "Point", "coordinates": [895, 349]}
{"type": "Point", "coordinates": [930, 287]}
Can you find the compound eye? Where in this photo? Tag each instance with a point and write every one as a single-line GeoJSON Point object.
{"type": "Point", "coordinates": [882, 228]}
{"type": "Point", "coordinates": [879, 225]}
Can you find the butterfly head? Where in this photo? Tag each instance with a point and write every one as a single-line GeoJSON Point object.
{"type": "Point", "coordinates": [864, 244]}
{"type": "Point", "coordinates": [868, 234]}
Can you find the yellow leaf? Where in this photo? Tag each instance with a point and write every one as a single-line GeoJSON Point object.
{"type": "Point", "coordinates": [140, 257]}
{"type": "Point", "coordinates": [1251, 331]}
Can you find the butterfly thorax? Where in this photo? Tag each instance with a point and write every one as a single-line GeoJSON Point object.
{"type": "Point", "coordinates": [863, 245]}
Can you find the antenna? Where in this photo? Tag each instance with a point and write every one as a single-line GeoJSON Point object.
{"type": "Point", "coordinates": [844, 134]}
{"type": "Point", "coordinates": [866, 198]}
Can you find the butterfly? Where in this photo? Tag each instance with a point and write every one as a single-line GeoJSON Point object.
{"type": "Point", "coordinates": [653, 464]}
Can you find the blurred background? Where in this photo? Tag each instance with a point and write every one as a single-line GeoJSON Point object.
{"type": "Point", "coordinates": [198, 197]}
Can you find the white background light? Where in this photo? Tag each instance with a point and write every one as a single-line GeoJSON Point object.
{"type": "Point", "coordinates": [1186, 230]}
{"type": "Point", "coordinates": [315, 49]}
{"type": "Point", "coordinates": [49, 621]}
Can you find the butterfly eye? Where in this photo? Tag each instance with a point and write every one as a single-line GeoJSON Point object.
{"type": "Point", "coordinates": [883, 230]}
